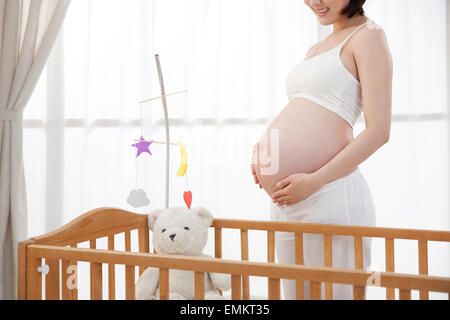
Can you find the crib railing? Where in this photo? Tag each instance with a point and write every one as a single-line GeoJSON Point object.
{"type": "Point", "coordinates": [328, 230]}
{"type": "Point", "coordinates": [59, 248]}
{"type": "Point", "coordinates": [237, 269]}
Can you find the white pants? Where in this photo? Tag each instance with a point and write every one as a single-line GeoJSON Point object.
{"type": "Point", "coordinates": [347, 201]}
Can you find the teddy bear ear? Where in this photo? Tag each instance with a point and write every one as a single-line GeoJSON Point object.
{"type": "Point", "coordinates": [204, 214]}
{"type": "Point", "coordinates": [153, 216]}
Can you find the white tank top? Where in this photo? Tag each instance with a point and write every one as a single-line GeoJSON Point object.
{"type": "Point", "coordinates": [324, 80]}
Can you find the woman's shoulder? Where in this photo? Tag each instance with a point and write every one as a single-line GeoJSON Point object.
{"type": "Point", "coordinates": [371, 41]}
{"type": "Point", "coordinates": [372, 34]}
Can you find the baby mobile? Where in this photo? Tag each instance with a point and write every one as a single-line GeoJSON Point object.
{"type": "Point", "coordinates": [138, 198]}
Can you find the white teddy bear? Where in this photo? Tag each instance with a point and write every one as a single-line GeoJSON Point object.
{"type": "Point", "coordinates": [181, 231]}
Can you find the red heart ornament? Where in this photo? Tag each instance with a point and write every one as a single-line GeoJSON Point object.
{"type": "Point", "coordinates": [187, 196]}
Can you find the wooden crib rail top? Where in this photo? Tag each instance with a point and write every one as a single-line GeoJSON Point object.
{"type": "Point", "coordinates": [334, 229]}
{"type": "Point", "coordinates": [94, 224]}
{"type": "Point", "coordinates": [234, 267]}
{"type": "Point", "coordinates": [105, 221]}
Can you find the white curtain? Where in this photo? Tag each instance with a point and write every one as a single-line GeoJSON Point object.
{"type": "Point", "coordinates": [233, 57]}
{"type": "Point", "coordinates": [27, 32]}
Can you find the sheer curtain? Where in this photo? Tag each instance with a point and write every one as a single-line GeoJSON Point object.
{"type": "Point", "coordinates": [233, 57]}
{"type": "Point", "coordinates": [27, 33]}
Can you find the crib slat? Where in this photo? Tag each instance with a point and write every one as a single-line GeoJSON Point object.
{"type": "Point", "coordinates": [143, 244]}
{"type": "Point", "coordinates": [218, 242]}
{"type": "Point", "coordinates": [299, 285]}
{"type": "Point", "coordinates": [66, 293]}
{"type": "Point", "coordinates": [199, 285]}
{"type": "Point", "coordinates": [218, 245]}
{"type": "Point", "coordinates": [274, 289]}
{"type": "Point", "coordinates": [127, 240]}
{"type": "Point", "coordinates": [34, 279]}
{"type": "Point", "coordinates": [163, 284]}
{"type": "Point", "coordinates": [358, 291]}
{"type": "Point", "coordinates": [405, 294]}
{"type": "Point", "coordinates": [95, 276]}
{"type": "Point", "coordinates": [129, 282]}
{"type": "Point", "coordinates": [315, 290]}
{"type": "Point", "coordinates": [270, 246]}
{"type": "Point", "coordinates": [357, 241]}
{"type": "Point", "coordinates": [52, 280]}
{"type": "Point", "coordinates": [271, 282]}
{"type": "Point", "coordinates": [328, 258]}
{"type": "Point", "coordinates": [244, 256]}
{"type": "Point", "coordinates": [389, 244]}
{"type": "Point", "coordinates": [68, 272]}
{"type": "Point", "coordinates": [96, 281]}
{"type": "Point", "coordinates": [423, 265]}
{"type": "Point", "coordinates": [235, 287]}
{"type": "Point", "coordinates": [129, 271]}
{"type": "Point", "coordinates": [75, 274]}
{"type": "Point", "coordinates": [111, 272]}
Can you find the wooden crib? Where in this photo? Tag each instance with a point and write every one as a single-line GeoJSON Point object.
{"type": "Point", "coordinates": [53, 256]}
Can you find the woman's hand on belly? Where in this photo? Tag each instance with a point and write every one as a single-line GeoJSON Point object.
{"type": "Point", "coordinates": [295, 188]}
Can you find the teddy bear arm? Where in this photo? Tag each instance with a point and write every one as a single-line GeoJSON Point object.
{"type": "Point", "coordinates": [147, 284]}
{"type": "Point", "coordinates": [221, 281]}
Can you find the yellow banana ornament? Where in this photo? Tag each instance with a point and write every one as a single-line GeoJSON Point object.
{"type": "Point", "coordinates": [183, 165]}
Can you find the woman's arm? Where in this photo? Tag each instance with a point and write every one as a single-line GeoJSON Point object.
{"type": "Point", "coordinates": [375, 68]}
{"type": "Point", "coordinates": [374, 63]}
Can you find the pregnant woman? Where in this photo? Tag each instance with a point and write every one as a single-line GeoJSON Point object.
{"type": "Point", "coordinates": [307, 160]}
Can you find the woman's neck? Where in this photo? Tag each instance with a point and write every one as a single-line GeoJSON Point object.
{"type": "Point", "coordinates": [346, 23]}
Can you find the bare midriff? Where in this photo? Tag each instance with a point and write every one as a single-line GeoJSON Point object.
{"type": "Point", "coordinates": [309, 135]}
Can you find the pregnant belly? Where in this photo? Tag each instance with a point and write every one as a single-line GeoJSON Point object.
{"type": "Point", "coordinates": [301, 139]}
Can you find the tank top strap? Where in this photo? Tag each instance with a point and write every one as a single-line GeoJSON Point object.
{"type": "Point", "coordinates": [349, 36]}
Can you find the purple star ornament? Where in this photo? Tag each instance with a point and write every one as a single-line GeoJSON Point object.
{"type": "Point", "coordinates": [142, 146]}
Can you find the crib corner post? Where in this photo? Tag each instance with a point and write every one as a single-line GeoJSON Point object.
{"type": "Point", "coordinates": [34, 279]}
{"type": "Point", "coordinates": [22, 269]}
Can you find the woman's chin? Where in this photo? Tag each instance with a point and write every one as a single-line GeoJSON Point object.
{"type": "Point", "coordinates": [325, 22]}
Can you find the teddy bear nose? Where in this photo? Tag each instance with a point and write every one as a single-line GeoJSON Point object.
{"type": "Point", "coordinates": [172, 236]}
